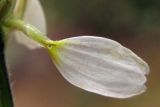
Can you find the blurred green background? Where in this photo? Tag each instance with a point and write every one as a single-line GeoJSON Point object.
{"type": "Point", "coordinates": [133, 23]}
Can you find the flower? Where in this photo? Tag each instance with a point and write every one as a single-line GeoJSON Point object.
{"type": "Point", "coordinates": [100, 65]}
{"type": "Point", "coordinates": [30, 16]}
{"type": "Point", "coordinates": [25, 9]}
{"type": "Point", "coordinates": [95, 64]}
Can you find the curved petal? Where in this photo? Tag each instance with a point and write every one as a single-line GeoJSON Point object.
{"type": "Point", "coordinates": [101, 66]}
{"type": "Point", "coordinates": [33, 15]}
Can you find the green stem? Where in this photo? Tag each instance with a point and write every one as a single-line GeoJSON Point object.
{"type": "Point", "coordinates": [5, 91]}
{"type": "Point", "coordinates": [29, 30]}
{"type": "Point", "coordinates": [6, 8]}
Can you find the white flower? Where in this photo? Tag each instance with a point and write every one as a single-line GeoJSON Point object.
{"type": "Point", "coordinates": [100, 65]}
{"type": "Point", "coordinates": [95, 64]}
{"type": "Point", "coordinates": [31, 12]}
{"type": "Point", "coordinates": [34, 15]}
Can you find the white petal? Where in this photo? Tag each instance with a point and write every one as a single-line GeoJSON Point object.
{"type": "Point", "coordinates": [13, 51]}
{"type": "Point", "coordinates": [102, 66]}
{"type": "Point", "coordinates": [33, 15]}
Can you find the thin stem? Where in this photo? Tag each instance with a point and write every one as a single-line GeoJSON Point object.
{"type": "Point", "coordinates": [6, 8]}
{"type": "Point", "coordinates": [5, 91]}
{"type": "Point", "coordinates": [28, 29]}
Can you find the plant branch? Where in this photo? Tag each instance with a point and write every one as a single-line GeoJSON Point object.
{"type": "Point", "coordinates": [31, 32]}
{"type": "Point", "coordinates": [5, 91]}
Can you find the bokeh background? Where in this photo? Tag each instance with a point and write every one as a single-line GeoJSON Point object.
{"type": "Point", "coordinates": [133, 23]}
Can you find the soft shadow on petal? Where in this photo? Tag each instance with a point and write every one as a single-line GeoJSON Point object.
{"type": "Point", "coordinates": [102, 66]}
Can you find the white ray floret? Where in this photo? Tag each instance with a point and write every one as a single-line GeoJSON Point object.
{"type": "Point", "coordinates": [100, 65]}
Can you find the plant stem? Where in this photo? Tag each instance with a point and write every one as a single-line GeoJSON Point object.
{"type": "Point", "coordinates": [5, 91]}
{"type": "Point", "coordinates": [31, 32]}
{"type": "Point", "coordinates": [6, 9]}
